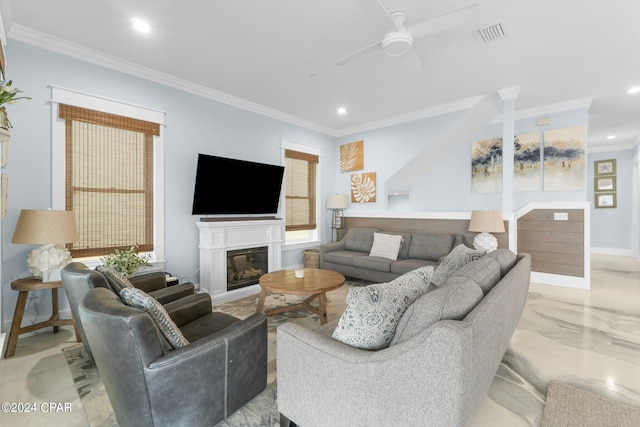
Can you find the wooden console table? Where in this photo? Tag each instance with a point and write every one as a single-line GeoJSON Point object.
{"type": "Point", "coordinates": [23, 286]}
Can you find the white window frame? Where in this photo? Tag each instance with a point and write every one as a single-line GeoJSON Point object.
{"type": "Point", "coordinates": [61, 95]}
{"type": "Point", "coordinates": [314, 235]}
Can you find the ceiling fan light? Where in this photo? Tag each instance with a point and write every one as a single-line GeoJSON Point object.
{"type": "Point", "coordinates": [397, 43]}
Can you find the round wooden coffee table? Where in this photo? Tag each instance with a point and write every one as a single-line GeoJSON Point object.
{"type": "Point", "coordinates": [315, 283]}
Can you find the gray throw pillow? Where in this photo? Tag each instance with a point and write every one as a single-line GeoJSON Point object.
{"type": "Point", "coordinates": [115, 279]}
{"type": "Point", "coordinates": [459, 256]}
{"type": "Point", "coordinates": [373, 311]}
{"type": "Point", "coordinates": [446, 303]}
{"type": "Point", "coordinates": [484, 271]}
{"type": "Point", "coordinates": [137, 298]}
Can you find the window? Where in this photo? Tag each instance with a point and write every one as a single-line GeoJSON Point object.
{"type": "Point", "coordinates": [109, 180]}
{"type": "Point", "coordinates": [301, 189]}
{"type": "Point", "coordinates": [106, 170]}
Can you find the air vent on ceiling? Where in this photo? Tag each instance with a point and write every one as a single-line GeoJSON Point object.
{"type": "Point", "coordinates": [491, 33]}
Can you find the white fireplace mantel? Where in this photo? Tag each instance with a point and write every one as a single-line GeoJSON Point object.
{"type": "Point", "coordinates": [218, 237]}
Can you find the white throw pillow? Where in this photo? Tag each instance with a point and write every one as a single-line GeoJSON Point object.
{"type": "Point", "coordinates": [373, 311]}
{"type": "Point", "coordinates": [386, 245]}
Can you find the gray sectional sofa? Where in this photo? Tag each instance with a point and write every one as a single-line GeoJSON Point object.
{"type": "Point", "coordinates": [350, 255]}
{"type": "Point", "coordinates": [436, 372]}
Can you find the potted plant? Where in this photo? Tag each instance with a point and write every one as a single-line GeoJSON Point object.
{"type": "Point", "coordinates": [8, 95]}
{"type": "Point", "coordinates": [125, 261]}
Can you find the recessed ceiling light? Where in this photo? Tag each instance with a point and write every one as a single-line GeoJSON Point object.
{"type": "Point", "coordinates": [611, 137]}
{"type": "Point", "coordinates": [342, 111]}
{"type": "Point", "coordinates": [633, 90]}
{"type": "Point", "coordinates": [140, 25]}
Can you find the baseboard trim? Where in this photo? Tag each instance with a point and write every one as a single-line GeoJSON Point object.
{"type": "Point", "coordinates": [235, 294]}
{"type": "Point", "coordinates": [559, 280]}
{"type": "Point", "coordinates": [612, 251]}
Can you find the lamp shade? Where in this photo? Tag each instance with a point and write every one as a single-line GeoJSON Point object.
{"type": "Point", "coordinates": [42, 227]}
{"type": "Point", "coordinates": [337, 201]}
{"type": "Point", "coordinates": [486, 221]}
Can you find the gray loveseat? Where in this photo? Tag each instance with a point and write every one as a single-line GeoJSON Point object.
{"type": "Point", "coordinates": [350, 255]}
{"type": "Point", "coordinates": [437, 370]}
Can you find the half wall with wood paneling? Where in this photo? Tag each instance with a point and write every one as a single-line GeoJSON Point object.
{"type": "Point", "coordinates": [557, 236]}
{"type": "Point", "coordinates": [457, 225]}
{"type": "Point", "coordinates": [556, 245]}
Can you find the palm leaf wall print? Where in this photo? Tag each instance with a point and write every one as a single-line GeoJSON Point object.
{"type": "Point", "coordinates": [352, 156]}
{"type": "Point", "coordinates": [363, 187]}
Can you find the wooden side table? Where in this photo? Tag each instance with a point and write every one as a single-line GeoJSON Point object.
{"type": "Point", "coordinates": [23, 286]}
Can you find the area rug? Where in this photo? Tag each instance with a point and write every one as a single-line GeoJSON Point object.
{"type": "Point", "coordinates": [261, 411]}
{"type": "Point", "coordinates": [569, 406]}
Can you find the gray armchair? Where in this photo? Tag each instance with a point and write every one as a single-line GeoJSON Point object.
{"type": "Point", "coordinates": [78, 279]}
{"type": "Point", "coordinates": [150, 384]}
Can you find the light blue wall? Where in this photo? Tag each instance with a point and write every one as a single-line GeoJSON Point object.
{"type": "Point", "coordinates": [610, 228]}
{"type": "Point", "coordinates": [446, 188]}
{"type": "Point", "coordinates": [196, 124]}
{"type": "Point", "coordinates": [193, 124]}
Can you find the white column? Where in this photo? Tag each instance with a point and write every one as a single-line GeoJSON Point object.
{"type": "Point", "coordinates": [635, 206]}
{"type": "Point", "coordinates": [508, 97]}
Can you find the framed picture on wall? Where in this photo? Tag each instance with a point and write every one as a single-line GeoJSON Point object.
{"type": "Point", "coordinates": [604, 167]}
{"type": "Point", "coordinates": [606, 200]}
{"type": "Point", "coordinates": [604, 183]}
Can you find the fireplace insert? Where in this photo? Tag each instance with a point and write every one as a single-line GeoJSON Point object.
{"type": "Point", "coordinates": [245, 266]}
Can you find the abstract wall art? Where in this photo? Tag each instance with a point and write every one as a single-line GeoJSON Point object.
{"type": "Point", "coordinates": [564, 159]}
{"type": "Point", "coordinates": [526, 162]}
{"type": "Point", "coordinates": [352, 156]}
{"type": "Point", "coordinates": [486, 166]}
{"type": "Point", "coordinates": [363, 187]}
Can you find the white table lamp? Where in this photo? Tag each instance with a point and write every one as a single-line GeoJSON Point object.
{"type": "Point", "coordinates": [486, 222]}
{"type": "Point", "coordinates": [49, 228]}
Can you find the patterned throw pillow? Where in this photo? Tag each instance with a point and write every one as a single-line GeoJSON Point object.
{"type": "Point", "coordinates": [386, 245]}
{"type": "Point", "coordinates": [116, 280]}
{"type": "Point", "coordinates": [373, 311]}
{"type": "Point", "coordinates": [459, 256]}
{"type": "Point", "coordinates": [137, 298]}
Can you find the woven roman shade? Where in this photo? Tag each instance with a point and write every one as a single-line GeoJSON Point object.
{"type": "Point", "coordinates": [109, 180]}
{"type": "Point", "coordinates": [300, 173]}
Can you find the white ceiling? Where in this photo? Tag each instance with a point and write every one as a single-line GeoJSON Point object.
{"type": "Point", "coordinates": [278, 55]}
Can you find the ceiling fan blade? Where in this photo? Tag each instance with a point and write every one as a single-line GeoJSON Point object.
{"type": "Point", "coordinates": [412, 61]}
{"type": "Point", "coordinates": [381, 14]}
{"type": "Point", "coordinates": [358, 53]}
{"type": "Point", "coordinates": [444, 22]}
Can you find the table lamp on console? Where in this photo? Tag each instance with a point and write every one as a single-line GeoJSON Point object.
{"type": "Point", "coordinates": [486, 222]}
{"type": "Point", "coordinates": [52, 229]}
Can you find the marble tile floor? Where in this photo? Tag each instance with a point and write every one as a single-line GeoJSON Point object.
{"type": "Point", "coordinates": [590, 339]}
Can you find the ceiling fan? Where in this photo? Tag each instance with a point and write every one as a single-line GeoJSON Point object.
{"type": "Point", "coordinates": [398, 41]}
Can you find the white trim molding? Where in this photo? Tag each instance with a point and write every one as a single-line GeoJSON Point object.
{"type": "Point", "coordinates": [60, 95]}
{"type": "Point", "coordinates": [635, 207]}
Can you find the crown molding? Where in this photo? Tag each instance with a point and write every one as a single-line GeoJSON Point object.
{"type": "Point", "coordinates": [65, 47]}
{"type": "Point", "coordinates": [574, 104]}
{"type": "Point", "coordinates": [602, 148]}
{"type": "Point", "coordinates": [509, 93]}
{"type": "Point", "coordinates": [463, 104]}
{"type": "Point", "coordinates": [27, 35]}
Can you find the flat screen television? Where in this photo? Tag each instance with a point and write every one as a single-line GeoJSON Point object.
{"type": "Point", "coordinates": [236, 187]}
